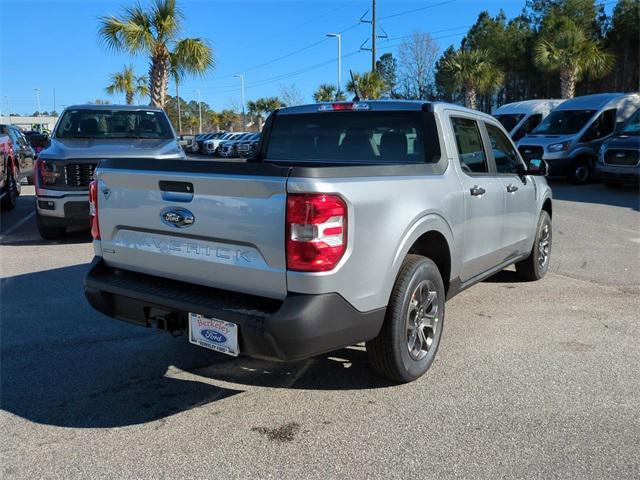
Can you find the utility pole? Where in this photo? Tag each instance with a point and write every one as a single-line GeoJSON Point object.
{"type": "Point", "coordinates": [37, 90]}
{"type": "Point", "coordinates": [178, 100]}
{"type": "Point", "coordinates": [200, 109]}
{"type": "Point", "coordinates": [244, 119]}
{"type": "Point", "coordinates": [54, 99]}
{"type": "Point", "coordinates": [373, 36]}
{"type": "Point", "coordinates": [6, 98]}
{"type": "Point", "coordinates": [339, 37]}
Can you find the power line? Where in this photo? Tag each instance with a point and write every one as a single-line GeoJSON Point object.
{"type": "Point", "coordinates": [416, 10]}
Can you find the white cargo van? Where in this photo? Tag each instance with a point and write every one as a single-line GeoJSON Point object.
{"type": "Point", "coordinates": [520, 118]}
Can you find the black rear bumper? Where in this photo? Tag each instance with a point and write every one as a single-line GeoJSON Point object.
{"type": "Point", "coordinates": [300, 326]}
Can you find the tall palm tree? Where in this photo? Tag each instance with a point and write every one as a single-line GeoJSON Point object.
{"type": "Point", "coordinates": [128, 83]}
{"type": "Point", "coordinates": [473, 72]}
{"type": "Point", "coordinates": [569, 52]}
{"type": "Point", "coordinates": [368, 85]}
{"type": "Point", "coordinates": [154, 32]}
{"type": "Point", "coordinates": [325, 93]}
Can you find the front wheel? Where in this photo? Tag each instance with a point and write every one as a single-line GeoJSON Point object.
{"type": "Point", "coordinates": [581, 172]}
{"type": "Point", "coordinates": [535, 266]}
{"type": "Point", "coordinates": [408, 341]}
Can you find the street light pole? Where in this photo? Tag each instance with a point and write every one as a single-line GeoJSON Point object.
{"type": "Point", "coordinates": [339, 37]}
{"type": "Point", "coordinates": [37, 90]}
{"type": "Point", "coordinates": [244, 119]}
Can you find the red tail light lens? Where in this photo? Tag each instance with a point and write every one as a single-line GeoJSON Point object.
{"type": "Point", "coordinates": [93, 209]}
{"type": "Point", "coordinates": [316, 231]}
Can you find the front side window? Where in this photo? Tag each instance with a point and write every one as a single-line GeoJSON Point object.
{"type": "Point", "coordinates": [470, 147]}
{"type": "Point", "coordinates": [564, 122]}
{"type": "Point", "coordinates": [603, 126]}
{"type": "Point", "coordinates": [509, 120]}
{"type": "Point", "coordinates": [505, 155]}
{"type": "Point", "coordinates": [105, 124]}
{"type": "Point", "coordinates": [528, 126]}
{"type": "Point", "coordinates": [373, 137]}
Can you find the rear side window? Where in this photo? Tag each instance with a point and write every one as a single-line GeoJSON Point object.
{"type": "Point", "coordinates": [352, 137]}
{"type": "Point", "coordinates": [505, 155]}
{"type": "Point", "coordinates": [470, 148]}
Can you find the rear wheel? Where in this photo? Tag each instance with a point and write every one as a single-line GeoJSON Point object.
{"type": "Point", "coordinates": [48, 231]}
{"type": "Point", "coordinates": [408, 341]}
{"type": "Point", "coordinates": [535, 266]}
{"type": "Point", "coordinates": [11, 191]}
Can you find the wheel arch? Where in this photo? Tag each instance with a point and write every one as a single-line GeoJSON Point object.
{"type": "Point", "coordinates": [430, 236]}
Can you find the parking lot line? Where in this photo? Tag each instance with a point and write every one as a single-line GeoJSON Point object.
{"type": "Point", "coordinates": [16, 226]}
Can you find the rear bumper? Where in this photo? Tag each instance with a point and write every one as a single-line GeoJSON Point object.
{"type": "Point", "coordinates": [300, 326]}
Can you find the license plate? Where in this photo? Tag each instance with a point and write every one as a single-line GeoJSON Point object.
{"type": "Point", "coordinates": [214, 334]}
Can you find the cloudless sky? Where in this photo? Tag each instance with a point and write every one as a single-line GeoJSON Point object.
{"type": "Point", "coordinates": [54, 44]}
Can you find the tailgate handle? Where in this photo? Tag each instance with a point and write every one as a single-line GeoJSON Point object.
{"type": "Point", "coordinates": [176, 191]}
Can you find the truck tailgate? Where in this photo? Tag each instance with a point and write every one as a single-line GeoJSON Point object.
{"type": "Point", "coordinates": [207, 223]}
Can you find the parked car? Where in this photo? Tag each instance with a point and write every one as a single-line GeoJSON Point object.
{"type": "Point", "coordinates": [24, 155]}
{"type": "Point", "coordinates": [570, 137]}
{"type": "Point", "coordinates": [38, 140]}
{"type": "Point", "coordinates": [619, 157]}
{"type": "Point", "coordinates": [520, 118]}
{"type": "Point", "coordinates": [201, 140]}
{"type": "Point", "coordinates": [84, 135]}
{"type": "Point", "coordinates": [9, 181]}
{"type": "Point", "coordinates": [248, 146]}
{"type": "Point", "coordinates": [211, 146]}
{"type": "Point", "coordinates": [229, 148]}
{"type": "Point", "coordinates": [354, 223]}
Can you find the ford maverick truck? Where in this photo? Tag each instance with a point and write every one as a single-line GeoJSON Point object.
{"type": "Point", "coordinates": [354, 222]}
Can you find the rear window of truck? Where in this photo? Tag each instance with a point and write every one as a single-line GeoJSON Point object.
{"type": "Point", "coordinates": [349, 137]}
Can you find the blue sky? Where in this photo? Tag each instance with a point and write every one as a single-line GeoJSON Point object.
{"type": "Point", "coordinates": [53, 44]}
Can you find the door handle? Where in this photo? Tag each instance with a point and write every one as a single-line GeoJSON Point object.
{"type": "Point", "coordinates": [512, 188]}
{"type": "Point", "coordinates": [477, 191]}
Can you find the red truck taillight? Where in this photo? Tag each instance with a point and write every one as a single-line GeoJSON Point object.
{"type": "Point", "coordinates": [93, 209]}
{"type": "Point", "coordinates": [316, 231]}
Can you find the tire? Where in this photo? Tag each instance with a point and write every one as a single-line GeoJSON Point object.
{"type": "Point", "coordinates": [50, 232]}
{"type": "Point", "coordinates": [536, 265]}
{"type": "Point", "coordinates": [613, 184]}
{"type": "Point", "coordinates": [11, 191]}
{"type": "Point", "coordinates": [581, 172]}
{"type": "Point", "coordinates": [391, 354]}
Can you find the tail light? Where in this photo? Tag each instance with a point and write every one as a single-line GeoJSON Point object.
{"type": "Point", "coordinates": [316, 231]}
{"type": "Point", "coordinates": [93, 209]}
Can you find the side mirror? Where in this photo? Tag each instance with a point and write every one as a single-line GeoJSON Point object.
{"type": "Point", "coordinates": [538, 167]}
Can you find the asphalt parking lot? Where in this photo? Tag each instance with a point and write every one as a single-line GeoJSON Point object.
{"type": "Point", "coordinates": [533, 380]}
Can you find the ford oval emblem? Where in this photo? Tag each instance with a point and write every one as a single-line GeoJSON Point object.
{"type": "Point", "coordinates": [213, 336]}
{"type": "Point", "coordinates": [177, 217]}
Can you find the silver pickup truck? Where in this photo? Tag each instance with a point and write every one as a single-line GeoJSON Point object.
{"type": "Point", "coordinates": [354, 222]}
{"type": "Point", "coordinates": [83, 136]}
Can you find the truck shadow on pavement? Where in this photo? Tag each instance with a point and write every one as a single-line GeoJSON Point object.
{"type": "Point", "coordinates": [625, 197]}
{"type": "Point", "coordinates": [65, 365]}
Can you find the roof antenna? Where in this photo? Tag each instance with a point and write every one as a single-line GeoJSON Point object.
{"type": "Point", "coordinates": [355, 87]}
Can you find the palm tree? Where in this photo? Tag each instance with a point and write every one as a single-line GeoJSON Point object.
{"type": "Point", "coordinates": [471, 71]}
{"type": "Point", "coordinates": [367, 85]}
{"type": "Point", "coordinates": [325, 93]}
{"type": "Point", "coordinates": [569, 52]}
{"type": "Point", "coordinates": [262, 108]}
{"type": "Point", "coordinates": [154, 32]}
{"type": "Point", "coordinates": [126, 82]}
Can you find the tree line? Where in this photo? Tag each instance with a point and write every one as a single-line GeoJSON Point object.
{"type": "Point", "coordinates": [553, 49]}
